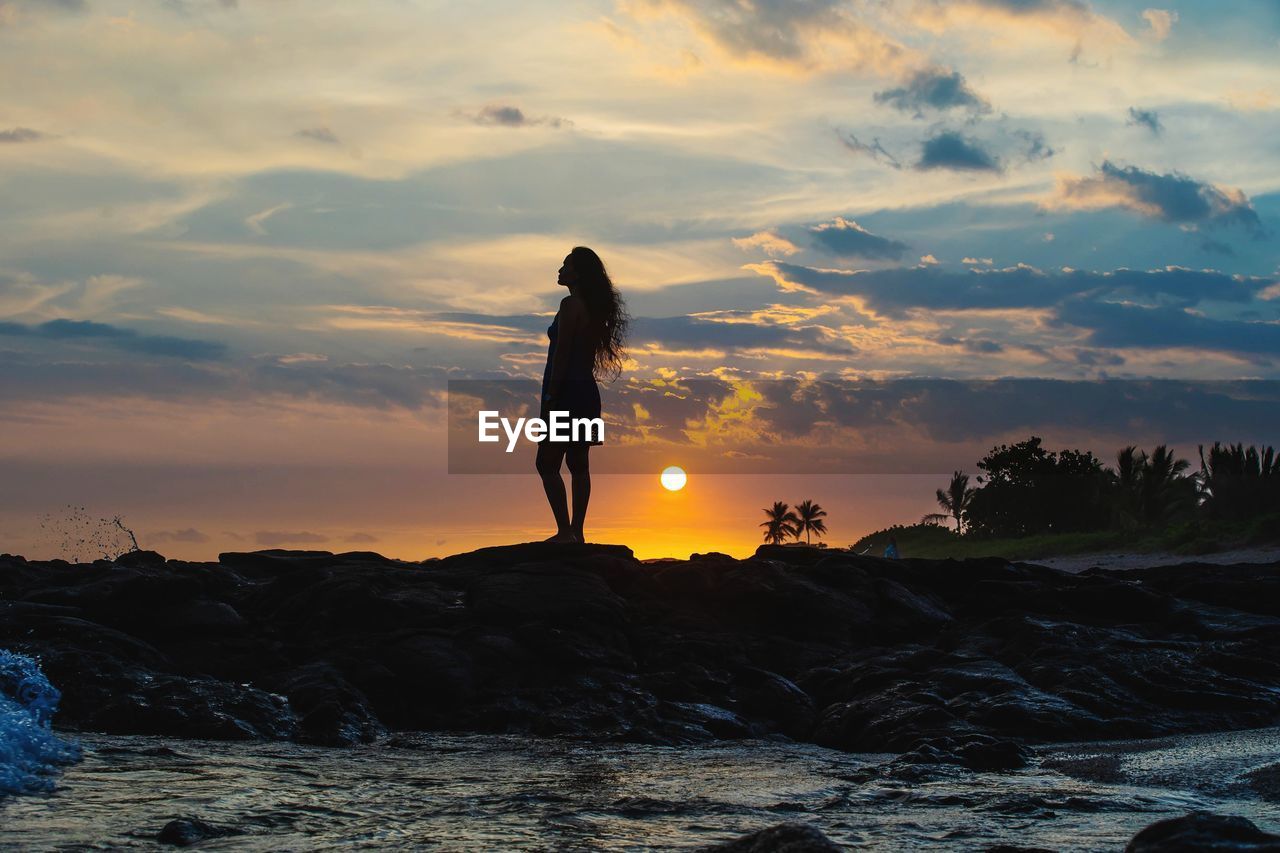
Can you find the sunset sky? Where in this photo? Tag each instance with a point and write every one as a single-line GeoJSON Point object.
{"type": "Point", "coordinates": [245, 243]}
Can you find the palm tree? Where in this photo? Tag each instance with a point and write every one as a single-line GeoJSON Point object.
{"type": "Point", "coordinates": [809, 517]}
{"type": "Point", "coordinates": [1130, 462]}
{"type": "Point", "coordinates": [1238, 483]}
{"type": "Point", "coordinates": [781, 523]}
{"type": "Point", "coordinates": [955, 500]}
{"type": "Point", "coordinates": [1165, 492]}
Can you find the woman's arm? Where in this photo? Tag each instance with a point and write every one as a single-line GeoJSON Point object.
{"type": "Point", "coordinates": [569, 324]}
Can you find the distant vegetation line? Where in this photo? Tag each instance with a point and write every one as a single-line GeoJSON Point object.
{"type": "Point", "coordinates": [1031, 502]}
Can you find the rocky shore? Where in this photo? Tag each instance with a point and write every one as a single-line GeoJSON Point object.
{"type": "Point", "coordinates": [947, 661]}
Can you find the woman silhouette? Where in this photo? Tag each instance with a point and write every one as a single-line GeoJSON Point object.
{"type": "Point", "coordinates": [587, 339]}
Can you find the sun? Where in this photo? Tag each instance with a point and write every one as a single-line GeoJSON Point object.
{"type": "Point", "coordinates": [674, 478]}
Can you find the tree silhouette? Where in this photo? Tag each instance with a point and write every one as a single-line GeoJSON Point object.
{"type": "Point", "coordinates": [955, 500]}
{"type": "Point", "coordinates": [1236, 483]}
{"type": "Point", "coordinates": [781, 523]}
{"type": "Point", "coordinates": [809, 517]}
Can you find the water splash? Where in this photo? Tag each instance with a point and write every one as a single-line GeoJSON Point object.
{"type": "Point", "coordinates": [30, 753]}
{"type": "Point", "coordinates": [74, 534]}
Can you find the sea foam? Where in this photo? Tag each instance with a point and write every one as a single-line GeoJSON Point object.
{"type": "Point", "coordinates": [31, 755]}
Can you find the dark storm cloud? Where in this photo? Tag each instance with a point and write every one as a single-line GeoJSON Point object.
{"type": "Point", "coordinates": [1149, 119]}
{"type": "Point", "coordinates": [934, 89]}
{"type": "Point", "coordinates": [952, 150]}
{"type": "Point", "coordinates": [318, 134]}
{"type": "Point", "coordinates": [118, 338]}
{"type": "Point", "coordinates": [17, 135]}
{"type": "Point", "coordinates": [1171, 197]}
{"type": "Point", "coordinates": [846, 238]}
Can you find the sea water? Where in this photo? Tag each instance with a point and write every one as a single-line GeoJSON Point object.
{"type": "Point", "coordinates": [474, 792]}
{"type": "Point", "coordinates": [453, 792]}
{"type": "Point", "coordinates": [30, 753]}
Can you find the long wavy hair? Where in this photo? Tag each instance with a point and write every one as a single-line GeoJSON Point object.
{"type": "Point", "coordinates": [609, 320]}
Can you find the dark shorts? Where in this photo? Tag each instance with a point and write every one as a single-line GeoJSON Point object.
{"type": "Point", "coordinates": [581, 399]}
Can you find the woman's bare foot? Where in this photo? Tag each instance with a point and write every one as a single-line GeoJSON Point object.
{"type": "Point", "coordinates": [563, 538]}
{"type": "Point", "coordinates": [577, 536]}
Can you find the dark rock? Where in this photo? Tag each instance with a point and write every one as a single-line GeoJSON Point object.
{"type": "Point", "coordinates": [953, 662]}
{"type": "Point", "coordinates": [140, 560]}
{"type": "Point", "coordinates": [783, 838]}
{"type": "Point", "coordinates": [330, 711]}
{"type": "Point", "coordinates": [183, 832]}
{"type": "Point", "coordinates": [1265, 781]}
{"type": "Point", "coordinates": [795, 555]}
{"type": "Point", "coordinates": [1203, 832]}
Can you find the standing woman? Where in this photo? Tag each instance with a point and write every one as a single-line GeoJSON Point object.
{"type": "Point", "coordinates": [587, 338]}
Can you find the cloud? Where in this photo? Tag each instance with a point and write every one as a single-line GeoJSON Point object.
{"type": "Point", "coordinates": [1216, 247]}
{"type": "Point", "coordinates": [1069, 20]}
{"type": "Point", "coordinates": [894, 292]}
{"type": "Point", "coordinates": [1122, 325]}
{"type": "Point", "coordinates": [1036, 147]}
{"type": "Point", "coordinates": [874, 149]}
{"type": "Point", "coordinates": [950, 150]}
{"type": "Point", "coordinates": [770, 242]}
{"type": "Point", "coordinates": [361, 537]}
{"type": "Point", "coordinates": [846, 238]}
{"type": "Point", "coordinates": [318, 134]}
{"type": "Point", "coordinates": [271, 538]}
{"type": "Point", "coordinates": [254, 221]}
{"type": "Point", "coordinates": [933, 89]}
{"type": "Point", "coordinates": [697, 333]}
{"type": "Point", "coordinates": [979, 346]}
{"type": "Point", "coordinates": [506, 115]}
{"type": "Point", "coordinates": [803, 36]}
{"type": "Point", "coordinates": [1171, 197]}
{"type": "Point", "coordinates": [382, 387]}
{"type": "Point", "coordinates": [190, 534]}
{"type": "Point", "coordinates": [1149, 119]}
{"type": "Point", "coordinates": [16, 135]}
{"type": "Point", "coordinates": [1161, 22]}
{"type": "Point", "coordinates": [118, 338]}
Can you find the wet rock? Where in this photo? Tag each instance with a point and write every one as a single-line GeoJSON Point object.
{"type": "Point", "coordinates": [1204, 832]}
{"type": "Point", "coordinates": [183, 832]}
{"type": "Point", "coordinates": [330, 711]}
{"type": "Point", "coordinates": [1265, 781]}
{"type": "Point", "coordinates": [783, 838]}
{"type": "Point", "coordinates": [975, 752]}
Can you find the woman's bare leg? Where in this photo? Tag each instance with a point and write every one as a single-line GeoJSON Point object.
{"type": "Point", "coordinates": [580, 471]}
{"type": "Point", "coordinates": [549, 457]}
